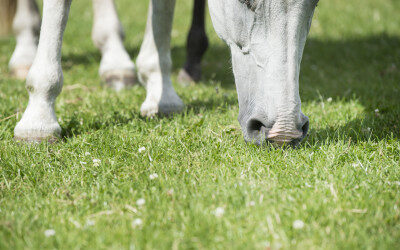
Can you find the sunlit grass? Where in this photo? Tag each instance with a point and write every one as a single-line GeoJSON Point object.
{"type": "Point", "coordinates": [339, 190]}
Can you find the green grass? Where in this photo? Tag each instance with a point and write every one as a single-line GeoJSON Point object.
{"type": "Point", "coordinates": [343, 182]}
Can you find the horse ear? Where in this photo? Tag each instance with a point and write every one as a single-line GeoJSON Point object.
{"type": "Point", "coordinates": [7, 12]}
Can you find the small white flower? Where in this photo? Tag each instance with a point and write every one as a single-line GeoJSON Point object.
{"type": "Point", "coordinates": [140, 202]}
{"type": "Point", "coordinates": [137, 222]}
{"type": "Point", "coordinates": [170, 192]}
{"type": "Point", "coordinates": [307, 185]}
{"type": "Point", "coordinates": [219, 212]}
{"type": "Point", "coordinates": [96, 162]}
{"type": "Point", "coordinates": [141, 149]}
{"type": "Point", "coordinates": [49, 232]}
{"type": "Point", "coordinates": [153, 176]}
{"type": "Point", "coordinates": [329, 99]}
{"type": "Point", "coordinates": [87, 153]}
{"type": "Point", "coordinates": [82, 163]}
{"type": "Point", "coordinates": [376, 110]}
{"type": "Point", "coordinates": [90, 223]}
{"type": "Point", "coordinates": [298, 224]}
{"type": "Point", "coordinates": [76, 224]}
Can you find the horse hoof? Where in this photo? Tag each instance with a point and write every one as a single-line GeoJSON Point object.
{"type": "Point", "coordinates": [37, 135]}
{"type": "Point", "coordinates": [150, 109]}
{"type": "Point", "coordinates": [30, 140]}
{"type": "Point", "coordinates": [20, 72]}
{"type": "Point", "coordinates": [185, 79]}
{"type": "Point", "coordinates": [189, 75]}
{"type": "Point", "coordinates": [119, 79]}
{"type": "Point", "coordinates": [35, 126]}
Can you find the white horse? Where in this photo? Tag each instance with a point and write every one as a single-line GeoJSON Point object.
{"type": "Point", "coordinates": [266, 38]}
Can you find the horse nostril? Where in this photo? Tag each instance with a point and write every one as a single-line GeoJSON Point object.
{"type": "Point", "coordinates": [305, 128]}
{"type": "Point", "coordinates": [254, 125]}
{"type": "Point", "coordinates": [294, 143]}
{"type": "Point", "coordinates": [255, 131]}
{"type": "Point", "coordinates": [258, 133]}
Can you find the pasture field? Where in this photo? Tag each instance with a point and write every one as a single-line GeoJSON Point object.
{"type": "Point", "coordinates": [197, 184]}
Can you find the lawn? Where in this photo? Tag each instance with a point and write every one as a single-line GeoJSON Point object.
{"type": "Point", "coordinates": [117, 180]}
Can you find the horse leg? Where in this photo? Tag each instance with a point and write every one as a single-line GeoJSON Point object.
{"type": "Point", "coordinates": [26, 27]}
{"type": "Point", "coordinates": [45, 79]}
{"type": "Point", "coordinates": [116, 67]}
{"type": "Point", "coordinates": [7, 13]}
{"type": "Point", "coordinates": [196, 45]}
{"type": "Point", "coordinates": [154, 61]}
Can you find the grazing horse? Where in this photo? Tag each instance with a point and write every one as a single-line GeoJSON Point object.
{"type": "Point", "coordinates": [266, 39]}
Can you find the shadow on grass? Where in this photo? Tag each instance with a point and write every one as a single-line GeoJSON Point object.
{"type": "Point", "coordinates": [363, 69]}
{"type": "Point", "coordinates": [73, 126]}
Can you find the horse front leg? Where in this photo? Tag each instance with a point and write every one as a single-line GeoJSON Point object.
{"type": "Point", "coordinates": [154, 61]}
{"type": "Point", "coordinates": [26, 26]}
{"type": "Point", "coordinates": [116, 67]}
{"type": "Point", "coordinates": [196, 45]}
{"type": "Point", "coordinates": [45, 79]}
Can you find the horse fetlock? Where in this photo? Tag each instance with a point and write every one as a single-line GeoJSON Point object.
{"type": "Point", "coordinates": [45, 82]}
{"type": "Point", "coordinates": [150, 66]}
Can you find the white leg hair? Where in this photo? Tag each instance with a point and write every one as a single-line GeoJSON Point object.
{"type": "Point", "coordinates": [26, 27]}
{"type": "Point", "coordinates": [45, 79]}
{"type": "Point", "coordinates": [116, 67]}
{"type": "Point", "coordinates": [154, 61]}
